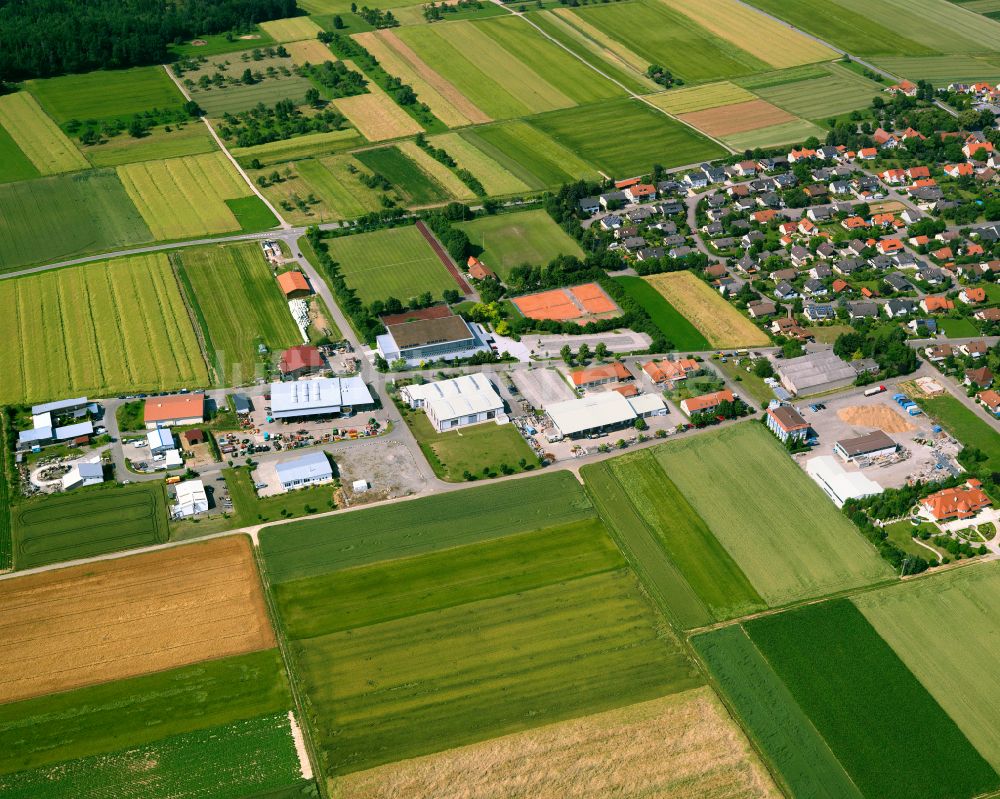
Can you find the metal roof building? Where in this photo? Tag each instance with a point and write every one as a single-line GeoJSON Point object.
{"type": "Point", "coordinates": [308, 469]}
{"type": "Point", "coordinates": [325, 397]}
{"type": "Point", "coordinates": [59, 405]}
{"type": "Point", "coordinates": [870, 445]}
{"type": "Point", "coordinates": [191, 499]}
{"type": "Point", "coordinates": [160, 440]}
{"type": "Point", "coordinates": [593, 413]}
{"type": "Point", "coordinates": [458, 402]}
{"type": "Point", "coordinates": [838, 483]}
{"type": "Point", "coordinates": [83, 474]}
{"type": "Point", "coordinates": [815, 373]}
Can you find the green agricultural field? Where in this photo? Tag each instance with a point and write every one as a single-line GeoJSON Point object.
{"type": "Point", "coordinates": [219, 43]}
{"type": "Point", "coordinates": [38, 137]}
{"type": "Point", "coordinates": [457, 675]}
{"type": "Point", "coordinates": [343, 192]}
{"type": "Point", "coordinates": [390, 263]}
{"type": "Point", "coordinates": [773, 135]}
{"type": "Point", "coordinates": [776, 523]}
{"type": "Point", "coordinates": [238, 304]}
{"type": "Point", "coordinates": [6, 470]}
{"type": "Point", "coordinates": [965, 425]}
{"type": "Point", "coordinates": [939, 26]}
{"type": "Point", "coordinates": [95, 211]}
{"type": "Point", "coordinates": [942, 70]}
{"type": "Point", "coordinates": [190, 139]}
{"type": "Point", "coordinates": [675, 326]}
{"type": "Point", "coordinates": [685, 537]}
{"type": "Point", "coordinates": [528, 237]}
{"type": "Point", "coordinates": [840, 92]}
{"type": "Point", "coordinates": [529, 154]}
{"type": "Point", "coordinates": [663, 36]}
{"type": "Point", "coordinates": [107, 95]}
{"type": "Point", "coordinates": [495, 179]}
{"type": "Point", "coordinates": [625, 137]}
{"type": "Point", "coordinates": [764, 80]}
{"type": "Point", "coordinates": [354, 598]}
{"type": "Point", "coordinates": [772, 719]}
{"type": "Point", "coordinates": [299, 147]}
{"type": "Point", "coordinates": [108, 326]}
{"type": "Point", "coordinates": [415, 185]}
{"type": "Point", "coordinates": [89, 522]}
{"type": "Point", "coordinates": [947, 634]}
{"type": "Point", "coordinates": [699, 98]}
{"type": "Point", "coordinates": [403, 529]}
{"type": "Point", "coordinates": [234, 99]}
{"type": "Point", "coordinates": [868, 706]}
{"type": "Point", "coordinates": [293, 29]}
{"type": "Point", "coordinates": [136, 711]}
{"type": "Point", "coordinates": [14, 164]}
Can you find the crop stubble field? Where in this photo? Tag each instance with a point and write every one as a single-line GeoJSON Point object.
{"type": "Point", "coordinates": [108, 326]}
{"type": "Point", "coordinates": [674, 325]}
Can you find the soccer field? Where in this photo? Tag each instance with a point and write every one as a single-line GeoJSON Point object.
{"type": "Point", "coordinates": [528, 237]}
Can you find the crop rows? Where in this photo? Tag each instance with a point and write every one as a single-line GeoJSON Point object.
{"type": "Point", "coordinates": [38, 136]}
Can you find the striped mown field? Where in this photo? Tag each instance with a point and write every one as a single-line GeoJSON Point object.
{"type": "Point", "coordinates": [38, 136]}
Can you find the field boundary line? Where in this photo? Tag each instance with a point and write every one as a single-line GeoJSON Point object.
{"type": "Point", "coordinates": [281, 220]}
{"type": "Point", "coordinates": [445, 259]}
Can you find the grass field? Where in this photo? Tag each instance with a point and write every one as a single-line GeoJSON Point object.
{"type": "Point", "coordinates": [771, 717]}
{"type": "Point", "coordinates": [184, 197]}
{"type": "Point", "coordinates": [335, 6]}
{"type": "Point", "coordinates": [838, 93]}
{"type": "Point", "coordinates": [660, 35]}
{"type": "Point", "coordinates": [678, 330]}
{"type": "Point", "coordinates": [341, 194]}
{"type": "Point", "coordinates": [95, 210]}
{"type": "Point", "coordinates": [114, 619]}
{"type": "Point", "coordinates": [390, 263]}
{"type": "Point", "coordinates": [720, 323]}
{"type": "Point", "coordinates": [495, 179]}
{"type": "Point", "coordinates": [293, 29]}
{"type": "Point", "coordinates": [435, 171]}
{"type": "Point", "coordinates": [299, 147]}
{"type": "Point", "coordinates": [945, 632]}
{"type": "Point", "coordinates": [775, 522]}
{"type": "Point", "coordinates": [234, 99]}
{"type": "Point", "coordinates": [965, 425]}
{"type": "Point", "coordinates": [37, 136]}
{"type": "Point", "coordinates": [942, 70]}
{"type": "Point", "coordinates": [82, 524]}
{"type": "Point", "coordinates": [698, 98]}
{"type": "Point", "coordinates": [108, 326]}
{"type": "Point", "coordinates": [685, 537]}
{"type": "Point", "coordinates": [528, 237]}
{"type": "Point", "coordinates": [220, 43]}
{"type": "Point", "coordinates": [762, 37]}
{"type": "Point", "coordinates": [106, 95]}
{"type": "Point", "coordinates": [191, 139]}
{"type": "Point", "coordinates": [937, 25]}
{"type": "Point", "coordinates": [14, 164]}
{"type": "Point", "coordinates": [529, 154]}
{"type": "Point", "coordinates": [958, 328]}
{"type": "Point", "coordinates": [867, 705]}
{"type": "Point", "coordinates": [771, 136]}
{"type": "Point", "coordinates": [625, 138]}
{"type": "Point", "coordinates": [239, 305]}
{"type": "Point", "coordinates": [403, 529]}
{"type": "Point", "coordinates": [681, 746]}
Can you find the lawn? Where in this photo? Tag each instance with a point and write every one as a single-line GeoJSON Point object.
{"type": "Point", "coordinates": [958, 328]}
{"type": "Point", "coordinates": [14, 164]}
{"type": "Point", "coordinates": [38, 137]}
{"type": "Point", "coordinates": [251, 509]}
{"type": "Point", "coordinates": [472, 449]}
{"type": "Point", "coordinates": [720, 323]}
{"type": "Point", "coordinates": [678, 330]}
{"type": "Point", "coordinates": [402, 529]}
{"type": "Point", "coordinates": [239, 306]}
{"type": "Point", "coordinates": [185, 197]}
{"type": "Point", "coordinates": [660, 35]}
{"type": "Point", "coordinates": [965, 425]}
{"type": "Point", "coordinates": [625, 137]}
{"type": "Point", "coordinates": [109, 326]}
{"type": "Point", "coordinates": [838, 93]}
{"type": "Point", "coordinates": [946, 632]}
{"type": "Point", "coordinates": [528, 237]}
{"type": "Point", "coordinates": [390, 263]}
{"type": "Point", "coordinates": [771, 717]}
{"type": "Point", "coordinates": [495, 179]}
{"type": "Point", "coordinates": [685, 537]}
{"type": "Point", "coordinates": [415, 185]}
{"type": "Point", "coordinates": [107, 95]}
{"type": "Point", "coordinates": [85, 523]}
{"type": "Point", "coordinates": [190, 139]}
{"type": "Point", "coordinates": [776, 524]}
{"type": "Point", "coordinates": [749, 383]}
{"type": "Point", "coordinates": [868, 706]}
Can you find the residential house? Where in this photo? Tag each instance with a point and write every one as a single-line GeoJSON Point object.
{"type": "Point", "coordinates": [898, 282]}
{"type": "Point", "coordinates": [939, 352]}
{"type": "Point", "coordinates": [972, 295]}
{"type": "Point", "coordinates": [706, 403]}
{"type": "Point", "coordinates": [862, 310]}
{"type": "Point", "coordinates": [819, 312]}
{"type": "Point", "coordinates": [990, 400]}
{"type": "Point", "coordinates": [898, 307]}
{"type": "Point", "coordinates": [815, 288]}
{"type": "Point", "coordinates": [761, 308]}
{"type": "Point", "coordinates": [974, 349]}
{"type": "Point", "coordinates": [590, 205]}
{"type": "Point", "coordinates": [800, 255]}
{"type": "Point", "coordinates": [641, 192]}
{"type": "Point", "coordinates": [931, 304]}
{"type": "Point", "coordinates": [962, 502]}
{"type": "Point", "coordinates": [670, 371]}
{"type": "Point", "coordinates": [981, 377]}
{"type": "Point", "coordinates": [787, 423]}
{"type": "Point", "coordinates": [988, 315]}
{"type": "Point", "coordinates": [924, 327]}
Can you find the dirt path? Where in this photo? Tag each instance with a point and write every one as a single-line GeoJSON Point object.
{"type": "Point", "coordinates": [445, 259]}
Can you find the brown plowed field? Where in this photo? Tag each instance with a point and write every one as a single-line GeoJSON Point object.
{"type": "Point", "coordinates": [737, 118]}
{"type": "Point", "coordinates": [120, 618]}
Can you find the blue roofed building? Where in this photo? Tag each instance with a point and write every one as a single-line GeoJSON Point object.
{"type": "Point", "coordinates": [310, 469]}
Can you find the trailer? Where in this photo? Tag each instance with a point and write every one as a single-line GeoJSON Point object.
{"type": "Point", "coordinates": [874, 390]}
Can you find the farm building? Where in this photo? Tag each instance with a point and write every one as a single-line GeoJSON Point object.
{"type": "Point", "coordinates": [706, 403]}
{"type": "Point", "coordinates": [871, 445]}
{"type": "Point", "coordinates": [312, 468]}
{"type": "Point", "coordinates": [615, 372]}
{"type": "Point", "coordinates": [44, 433]}
{"type": "Point", "coordinates": [815, 373]}
{"type": "Point", "coordinates": [962, 502]}
{"type": "Point", "coordinates": [191, 499]}
{"type": "Point", "coordinates": [83, 474]}
{"type": "Point", "coordinates": [429, 339]}
{"type": "Point", "coordinates": [332, 396]}
{"type": "Point", "coordinates": [838, 483]}
{"type": "Point", "coordinates": [193, 437]}
{"type": "Point", "coordinates": [301, 360]}
{"type": "Point", "coordinates": [461, 401]}
{"type": "Point", "coordinates": [787, 423]}
{"type": "Point", "coordinates": [178, 410]}
{"type": "Point", "coordinates": [294, 285]}
{"type": "Point", "coordinates": [241, 402]}
{"type": "Point", "coordinates": [600, 413]}
{"type": "Point", "coordinates": [60, 407]}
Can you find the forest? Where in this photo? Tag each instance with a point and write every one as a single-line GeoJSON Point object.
{"type": "Point", "coordinates": [41, 38]}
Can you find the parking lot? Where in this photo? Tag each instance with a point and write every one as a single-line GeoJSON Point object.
{"type": "Point", "coordinates": [543, 386]}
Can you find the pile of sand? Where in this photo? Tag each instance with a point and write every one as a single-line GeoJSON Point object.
{"type": "Point", "coordinates": [881, 416]}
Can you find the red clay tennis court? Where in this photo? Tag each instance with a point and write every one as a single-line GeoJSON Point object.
{"type": "Point", "coordinates": [593, 299]}
{"type": "Point", "coordinates": [580, 303]}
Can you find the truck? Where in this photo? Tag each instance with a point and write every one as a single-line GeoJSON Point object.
{"type": "Point", "coordinates": [173, 480]}
{"type": "Point", "coordinates": [874, 390]}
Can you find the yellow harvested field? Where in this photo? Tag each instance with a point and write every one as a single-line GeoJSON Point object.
{"type": "Point", "coordinates": [448, 103]}
{"type": "Point", "coordinates": [183, 197]}
{"type": "Point", "coordinates": [683, 746]}
{"type": "Point", "coordinates": [758, 34]}
{"type": "Point", "coordinates": [293, 29]}
{"type": "Point", "coordinates": [121, 618]}
{"type": "Point", "coordinates": [38, 136]}
{"type": "Point", "coordinates": [698, 98]}
{"type": "Point", "coordinates": [737, 118]}
{"type": "Point", "coordinates": [437, 171]}
{"type": "Point", "coordinates": [495, 179]}
{"type": "Point", "coordinates": [312, 51]}
{"type": "Point", "coordinates": [717, 320]}
{"type": "Point", "coordinates": [376, 115]}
